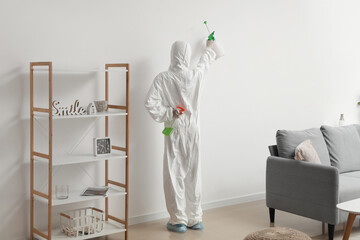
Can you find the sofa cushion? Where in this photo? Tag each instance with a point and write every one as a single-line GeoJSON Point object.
{"type": "Point", "coordinates": [355, 174]}
{"type": "Point", "coordinates": [343, 144]}
{"type": "Point", "coordinates": [348, 188]}
{"type": "Point", "coordinates": [349, 185]}
{"type": "Point", "coordinates": [287, 141]}
{"type": "Point", "coordinates": [357, 126]}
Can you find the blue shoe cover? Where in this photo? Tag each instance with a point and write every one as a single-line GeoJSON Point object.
{"type": "Point", "coordinates": [180, 228]}
{"type": "Point", "coordinates": [198, 226]}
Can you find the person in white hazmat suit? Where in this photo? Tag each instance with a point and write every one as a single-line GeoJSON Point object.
{"type": "Point", "coordinates": [180, 87]}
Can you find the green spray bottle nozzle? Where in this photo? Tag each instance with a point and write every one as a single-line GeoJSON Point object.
{"type": "Point", "coordinates": [211, 35]}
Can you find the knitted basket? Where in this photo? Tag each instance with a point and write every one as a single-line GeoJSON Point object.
{"type": "Point", "coordinates": [277, 233]}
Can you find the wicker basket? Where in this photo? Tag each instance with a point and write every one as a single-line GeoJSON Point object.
{"type": "Point", "coordinates": [83, 221]}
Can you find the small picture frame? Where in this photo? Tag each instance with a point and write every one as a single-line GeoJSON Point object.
{"type": "Point", "coordinates": [102, 146]}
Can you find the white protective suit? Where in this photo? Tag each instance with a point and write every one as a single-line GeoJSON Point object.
{"type": "Point", "coordinates": [180, 86]}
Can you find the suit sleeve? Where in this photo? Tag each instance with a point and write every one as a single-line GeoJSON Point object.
{"type": "Point", "coordinates": [154, 104]}
{"type": "Point", "coordinates": [205, 61]}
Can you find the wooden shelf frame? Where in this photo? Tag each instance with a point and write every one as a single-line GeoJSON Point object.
{"type": "Point", "coordinates": [49, 156]}
{"type": "Point", "coordinates": [123, 149]}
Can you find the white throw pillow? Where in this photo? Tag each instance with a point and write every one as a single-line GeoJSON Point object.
{"type": "Point", "coordinates": [306, 152]}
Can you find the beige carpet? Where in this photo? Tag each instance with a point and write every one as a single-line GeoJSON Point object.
{"type": "Point", "coordinates": [233, 222]}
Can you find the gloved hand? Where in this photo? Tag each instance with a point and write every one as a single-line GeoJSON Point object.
{"type": "Point", "coordinates": [178, 111]}
{"type": "Point", "coordinates": [210, 44]}
{"type": "Point", "coordinates": [216, 47]}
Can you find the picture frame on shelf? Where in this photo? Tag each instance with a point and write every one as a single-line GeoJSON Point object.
{"type": "Point", "coordinates": [102, 146]}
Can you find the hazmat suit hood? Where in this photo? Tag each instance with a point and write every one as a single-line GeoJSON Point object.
{"type": "Point", "coordinates": [180, 56]}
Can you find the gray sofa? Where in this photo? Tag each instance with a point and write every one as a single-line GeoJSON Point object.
{"type": "Point", "coordinates": [313, 190]}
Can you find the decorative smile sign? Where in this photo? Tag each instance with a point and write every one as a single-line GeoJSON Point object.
{"type": "Point", "coordinates": [73, 109]}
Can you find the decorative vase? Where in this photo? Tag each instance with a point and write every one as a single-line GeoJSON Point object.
{"type": "Point", "coordinates": [341, 120]}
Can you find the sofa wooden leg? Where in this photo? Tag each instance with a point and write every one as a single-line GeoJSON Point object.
{"type": "Point", "coordinates": [272, 214]}
{"type": "Point", "coordinates": [331, 230]}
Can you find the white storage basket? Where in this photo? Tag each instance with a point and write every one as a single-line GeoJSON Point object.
{"type": "Point", "coordinates": [83, 221]}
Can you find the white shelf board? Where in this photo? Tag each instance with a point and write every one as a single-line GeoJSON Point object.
{"type": "Point", "coordinates": [45, 69]}
{"type": "Point", "coordinates": [59, 160]}
{"type": "Point", "coordinates": [109, 228]}
{"type": "Point", "coordinates": [75, 197]}
{"type": "Point", "coordinates": [101, 114]}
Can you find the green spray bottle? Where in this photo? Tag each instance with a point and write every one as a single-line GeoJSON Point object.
{"type": "Point", "coordinates": [168, 130]}
{"type": "Point", "coordinates": [211, 35]}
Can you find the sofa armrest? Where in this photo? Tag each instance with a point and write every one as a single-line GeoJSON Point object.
{"type": "Point", "coordinates": [307, 189]}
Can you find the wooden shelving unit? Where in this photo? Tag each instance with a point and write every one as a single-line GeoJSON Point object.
{"type": "Point", "coordinates": [112, 224]}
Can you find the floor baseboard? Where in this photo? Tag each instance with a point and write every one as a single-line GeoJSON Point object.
{"type": "Point", "coordinates": [233, 201]}
{"type": "Point", "coordinates": [206, 206]}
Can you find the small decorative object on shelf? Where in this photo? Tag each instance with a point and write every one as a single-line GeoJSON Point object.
{"type": "Point", "coordinates": [73, 109]}
{"type": "Point", "coordinates": [83, 221]}
{"type": "Point", "coordinates": [102, 146]}
{"type": "Point", "coordinates": [91, 108]}
{"type": "Point", "coordinates": [96, 191]}
{"type": "Point", "coordinates": [341, 120]}
{"type": "Point", "coordinates": [101, 106]}
{"type": "Point", "coordinates": [62, 191]}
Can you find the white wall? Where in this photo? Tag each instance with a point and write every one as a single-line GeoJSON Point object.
{"type": "Point", "coordinates": [289, 65]}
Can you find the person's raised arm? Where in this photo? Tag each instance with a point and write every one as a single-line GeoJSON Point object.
{"type": "Point", "coordinates": [207, 58]}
